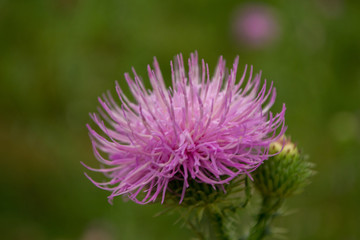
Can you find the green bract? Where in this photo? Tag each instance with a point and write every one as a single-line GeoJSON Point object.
{"type": "Point", "coordinates": [283, 174]}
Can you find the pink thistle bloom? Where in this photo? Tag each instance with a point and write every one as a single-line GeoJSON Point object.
{"type": "Point", "coordinates": [256, 25]}
{"type": "Point", "coordinates": [209, 129]}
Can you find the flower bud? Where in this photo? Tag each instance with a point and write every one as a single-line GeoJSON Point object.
{"type": "Point", "coordinates": [285, 173]}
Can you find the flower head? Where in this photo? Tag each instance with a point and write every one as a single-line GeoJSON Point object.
{"type": "Point", "coordinates": [284, 174]}
{"type": "Point", "coordinates": [202, 128]}
{"type": "Point", "coordinates": [256, 25]}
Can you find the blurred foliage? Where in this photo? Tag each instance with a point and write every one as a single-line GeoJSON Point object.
{"type": "Point", "coordinates": [57, 56]}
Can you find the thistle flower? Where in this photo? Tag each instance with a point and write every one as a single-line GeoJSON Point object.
{"type": "Point", "coordinates": [205, 129]}
{"type": "Point", "coordinates": [256, 25]}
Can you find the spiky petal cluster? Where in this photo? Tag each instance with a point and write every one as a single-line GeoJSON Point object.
{"type": "Point", "coordinates": [209, 129]}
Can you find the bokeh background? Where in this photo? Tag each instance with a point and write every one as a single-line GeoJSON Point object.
{"type": "Point", "coordinates": [57, 56]}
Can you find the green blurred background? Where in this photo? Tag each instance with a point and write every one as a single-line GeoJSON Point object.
{"type": "Point", "coordinates": [57, 56]}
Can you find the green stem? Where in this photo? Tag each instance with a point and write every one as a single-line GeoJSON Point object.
{"type": "Point", "coordinates": [267, 213]}
{"type": "Point", "coordinates": [217, 227]}
{"type": "Point", "coordinates": [211, 227]}
{"type": "Point", "coordinates": [196, 231]}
